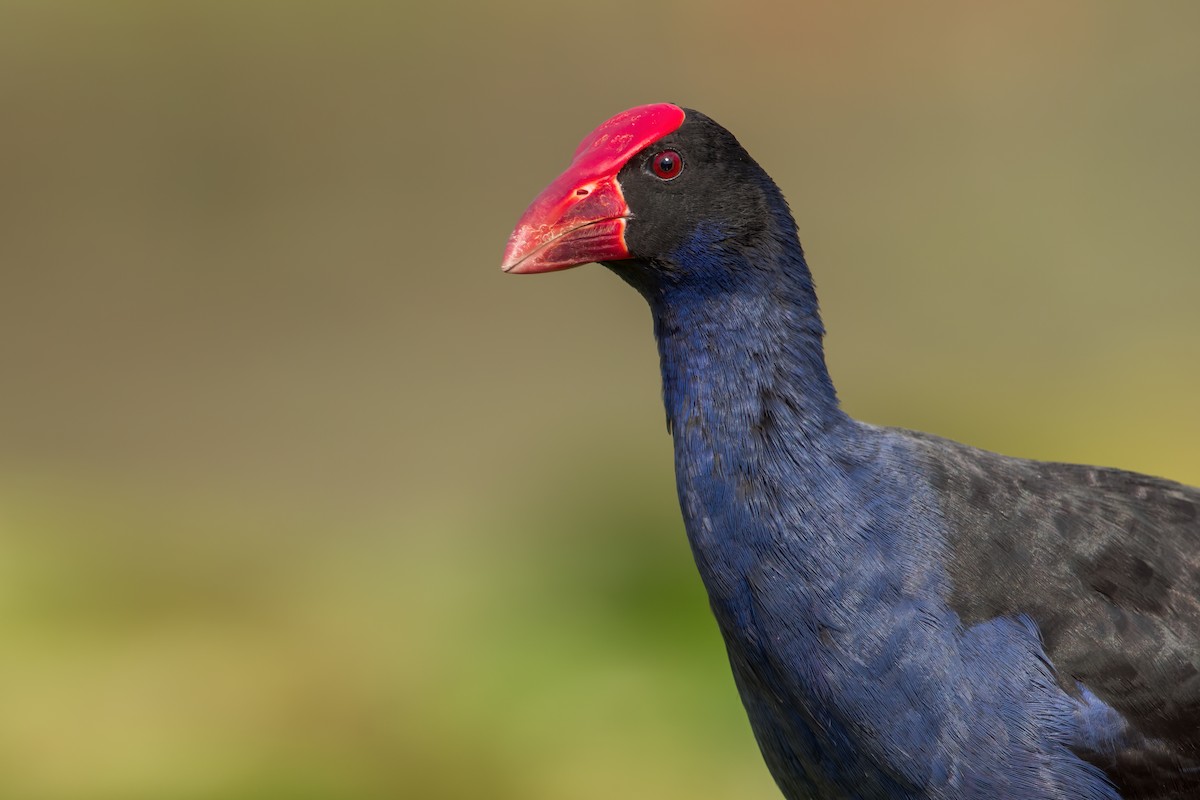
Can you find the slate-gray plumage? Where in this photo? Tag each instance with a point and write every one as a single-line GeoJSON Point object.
{"type": "Point", "coordinates": [1107, 563]}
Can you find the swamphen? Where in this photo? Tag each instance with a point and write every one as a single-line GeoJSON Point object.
{"type": "Point", "coordinates": [906, 616]}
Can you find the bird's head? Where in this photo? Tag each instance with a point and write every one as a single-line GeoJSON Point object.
{"type": "Point", "coordinates": [658, 193]}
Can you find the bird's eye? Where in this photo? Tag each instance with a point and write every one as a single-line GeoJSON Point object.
{"type": "Point", "coordinates": [667, 164]}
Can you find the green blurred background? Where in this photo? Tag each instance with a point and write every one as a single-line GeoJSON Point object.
{"type": "Point", "coordinates": [300, 497]}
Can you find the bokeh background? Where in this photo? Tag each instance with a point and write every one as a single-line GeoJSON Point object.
{"type": "Point", "coordinates": [300, 497]}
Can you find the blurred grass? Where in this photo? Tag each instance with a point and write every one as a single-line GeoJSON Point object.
{"type": "Point", "coordinates": [299, 497]}
{"type": "Point", "coordinates": [159, 655]}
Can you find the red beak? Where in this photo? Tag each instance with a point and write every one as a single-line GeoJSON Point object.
{"type": "Point", "coordinates": [581, 216]}
{"type": "Point", "coordinates": [572, 222]}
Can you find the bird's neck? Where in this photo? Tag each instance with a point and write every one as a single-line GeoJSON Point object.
{"type": "Point", "coordinates": [794, 516]}
{"type": "Point", "coordinates": [749, 401]}
{"type": "Point", "coordinates": [740, 341]}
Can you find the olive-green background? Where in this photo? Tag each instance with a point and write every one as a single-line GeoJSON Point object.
{"type": "Point", "coordinates": [301, 498]}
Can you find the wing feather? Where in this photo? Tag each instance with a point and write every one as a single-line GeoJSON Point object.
{"type": "Point", "coordinates": [1107, 563]}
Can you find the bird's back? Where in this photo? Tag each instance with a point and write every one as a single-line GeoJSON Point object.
{"type": "Point", "coordinates": [1106, 563]}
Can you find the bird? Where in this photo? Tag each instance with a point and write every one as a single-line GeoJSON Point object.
{"type": "Point", "coordinates": [905, 616]}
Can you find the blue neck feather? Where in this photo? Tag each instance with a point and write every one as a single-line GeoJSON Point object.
{"type": "Point", "coordinates": [817, 542]}
{"type": "Point", "coordinates": [759, 444]}
{"type": "Point", "coordinates": [739, 332]}
{"type": "Point", "coordinates": [747, 392]}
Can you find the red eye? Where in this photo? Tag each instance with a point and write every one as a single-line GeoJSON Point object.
{"type": "Point", "coordinates": [667, 164]}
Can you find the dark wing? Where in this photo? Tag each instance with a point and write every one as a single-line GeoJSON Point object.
{"type": "Point", "coordinates": [1108, 564]}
